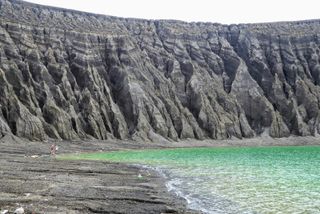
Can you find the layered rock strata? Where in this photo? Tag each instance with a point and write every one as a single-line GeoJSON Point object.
{"type": "Point", "coordinates": [72, 75]}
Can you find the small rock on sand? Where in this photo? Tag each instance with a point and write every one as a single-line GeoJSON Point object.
{"type": "Point", "coordinates": [19, 211]}
{"type": "Point", "coordinates": [35, 156]}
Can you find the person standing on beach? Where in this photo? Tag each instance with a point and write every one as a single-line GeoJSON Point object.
{"type": "Point", "coordinates": [53, 150]}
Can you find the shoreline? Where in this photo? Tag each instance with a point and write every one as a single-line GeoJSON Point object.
{"type": "Point", "coordinates": [170, 185]}
{"type": "Point", "coordinates": [118, 145]}
{"type": "Point", "coordinates": [33, 180]}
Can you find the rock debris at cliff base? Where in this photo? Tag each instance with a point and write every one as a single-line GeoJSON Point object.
{"type": "Point", "coordinates": [72, 75]}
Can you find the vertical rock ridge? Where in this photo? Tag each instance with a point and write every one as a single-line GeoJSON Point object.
{"type": "Point", "coordinates": [72, 75]}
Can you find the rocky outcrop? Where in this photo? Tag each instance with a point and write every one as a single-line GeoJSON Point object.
{"type": "Point", "coordinates": [71, 75]}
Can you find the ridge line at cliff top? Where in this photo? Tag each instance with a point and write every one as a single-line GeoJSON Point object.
{"type": "Point", "coordinates": [297, 22]}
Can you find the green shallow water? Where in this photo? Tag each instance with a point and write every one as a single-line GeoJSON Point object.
{"type": "Point", "coordinates": [236, 180]}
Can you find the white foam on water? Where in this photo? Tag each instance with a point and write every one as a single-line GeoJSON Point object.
{"type": "Point", "coordinates": [173, 184]}
{"type": "Point", "coordinates": [194, 201]}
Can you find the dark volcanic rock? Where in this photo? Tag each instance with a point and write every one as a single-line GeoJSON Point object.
{"type": "Point", "coordinates": [72, 75]}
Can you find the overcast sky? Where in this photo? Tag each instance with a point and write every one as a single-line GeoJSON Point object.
{"type": "Point", "coordinates": [223, 11]}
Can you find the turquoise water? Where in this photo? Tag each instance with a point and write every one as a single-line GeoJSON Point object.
{"type": "Point", "coordinates": [237, 180]}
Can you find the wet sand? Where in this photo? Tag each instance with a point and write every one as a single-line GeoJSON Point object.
{"type": "Point", "coordinates": [31, 179]}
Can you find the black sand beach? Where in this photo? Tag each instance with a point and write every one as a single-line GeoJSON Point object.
{"type": "Point", "coordinates": [31, 179]}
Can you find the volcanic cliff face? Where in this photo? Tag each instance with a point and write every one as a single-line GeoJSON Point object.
{"type": "Point", "coordinates": [73, 75]}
